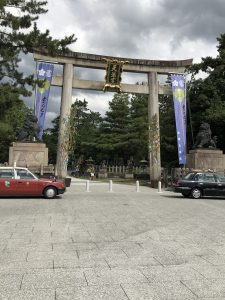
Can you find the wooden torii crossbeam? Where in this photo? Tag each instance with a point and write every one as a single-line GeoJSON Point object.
{"type": "Point", "coordinates": [68, 81]}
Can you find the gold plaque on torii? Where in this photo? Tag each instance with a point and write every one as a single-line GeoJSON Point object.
{"type": "Point", "coordinates": [114, 69]}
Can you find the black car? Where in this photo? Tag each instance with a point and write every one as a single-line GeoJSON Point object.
{"type": "Point", "coordinates": [198, 184]}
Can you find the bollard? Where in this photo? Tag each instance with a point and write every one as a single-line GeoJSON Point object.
{"type": "Point", "coordinates": [110, 185]}
{"type": "Point", "coordinates": [137, 186]}
{"type": "Point", "coordinates": [14, 164]}
{"type": "Point", "coordinates": [42, 170]}
{"type": "Point", "coordinates": [87, 186]}
{"type": "Point", "coordinates": [55, 171]}
{"type": "Point", "coordinates": [159, 187]}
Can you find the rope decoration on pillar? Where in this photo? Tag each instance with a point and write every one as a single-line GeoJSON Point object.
{"type": "Point", "coordinates": [69, 132]}
{"type": "Point", "coordinates": [154, 139]}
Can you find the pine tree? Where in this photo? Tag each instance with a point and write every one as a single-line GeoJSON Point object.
{"type": "Point", "coordinates": [86, 130]}
{"type": "Point", "coordinates": [114, 132]}
{"type": "Point", "coordinates": [207, 96]}
{"type": "Point", "coordinates": [168, 139]}
{"type": "Point", "coordinates": [138, 132]}
{"type": "Point", "coordinates": [19, 35]}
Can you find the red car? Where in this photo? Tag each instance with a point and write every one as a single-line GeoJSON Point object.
{"type": "Point", "coordinates": [21, 182]}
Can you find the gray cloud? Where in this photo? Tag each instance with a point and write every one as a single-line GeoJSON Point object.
{"type": "Point", "coordinates": [126, 27]}
{"type": "Point", "coordinates": [150, 29]}
{"type": "Point", "coordinates": [201, 19]}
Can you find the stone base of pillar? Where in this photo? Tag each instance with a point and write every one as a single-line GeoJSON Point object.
{"type": "Point", "coordinates": [154, 184]}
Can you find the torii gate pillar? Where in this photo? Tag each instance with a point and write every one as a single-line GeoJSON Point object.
{"type": "Point", "coordinates": [154, 132]}
{"type": "Point", "coordinates": [62, 152]}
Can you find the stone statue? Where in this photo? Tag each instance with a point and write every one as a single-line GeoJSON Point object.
{"type": "Point", "coordinates": [204, 138]}
{"type": "Point", "coordinates": [29, 130]}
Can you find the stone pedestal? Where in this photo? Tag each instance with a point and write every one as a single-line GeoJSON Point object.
{"type": "Point", "coordinates": [129, 176]}
{"type": "Point", "coordinates": [28, 154]}
{"type": "Point", "coordinates": [204, 159]}
{"type": "Point", "coordinates": [103, 173]}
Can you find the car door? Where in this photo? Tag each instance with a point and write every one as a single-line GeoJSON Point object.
{"type": "Point", "coordinates": [220, 184]}
{"type": "Point", "coordinates": [26, 183]}
{"type": "Point", "coordinates": [208, 184]}
{"type": "Point", "coordinates": [7, 182]}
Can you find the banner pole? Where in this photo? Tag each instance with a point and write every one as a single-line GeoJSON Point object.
{"type": "Point", "coordinates": [35, 93]}
{"type": "Point", "coordinates": [35, 89]}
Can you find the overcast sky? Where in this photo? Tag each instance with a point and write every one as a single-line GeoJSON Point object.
{"type": "Point", "coordinates": [144, 29]}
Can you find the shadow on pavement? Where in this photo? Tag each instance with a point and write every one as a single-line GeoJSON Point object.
{"type": "Point", "coordinates": [175, 195]}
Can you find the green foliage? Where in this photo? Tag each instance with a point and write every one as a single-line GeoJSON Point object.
{"type": "Point", "coordinates": [10, 124]}
{"type": "Point", "coordinates": [50, 137]}
{"type": "Point", "coordinates": [138, 130]}
{"type": "Point", "coordinates": [121, 135]}
{"type": "Point", "coordinates": [19, 34]}
{"type": "Point", "coordinates": [15, 116]}
{"type": "Point", "coordinates": [207, 96]}
{"type": "Point", "coordinates": [114, 131]}
{"type": "Point", "coordinates": [6, 135]}
{"type": "Point", "coordinates": [167, 132]}
{"type": "Point", "coordinates": [86, 126]}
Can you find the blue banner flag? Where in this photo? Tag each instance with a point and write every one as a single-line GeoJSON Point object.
{"type": "Point", "coordinates": [44, 73]}
{"type": "Point", "coordinates": [179, 99]}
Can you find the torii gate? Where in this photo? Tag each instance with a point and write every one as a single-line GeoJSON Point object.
{"type": "Point", "coordinates": [150, 67]}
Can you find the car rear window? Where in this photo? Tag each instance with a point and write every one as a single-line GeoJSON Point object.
{"type": "Point", "coordinates": [6, 173]}
{"type": "Point", "coordinates": [221, 178]}
{"type": "Point", "coordinates": [209, 177]}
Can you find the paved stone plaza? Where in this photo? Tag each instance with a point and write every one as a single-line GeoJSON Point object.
{"type": "Point", "coordinates": [112, 245]}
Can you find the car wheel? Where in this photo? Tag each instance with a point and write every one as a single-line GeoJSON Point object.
{"type": "Point", "coordinates": [50, 192]}
{"type": "Point", "coordinates": [196, 193]}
